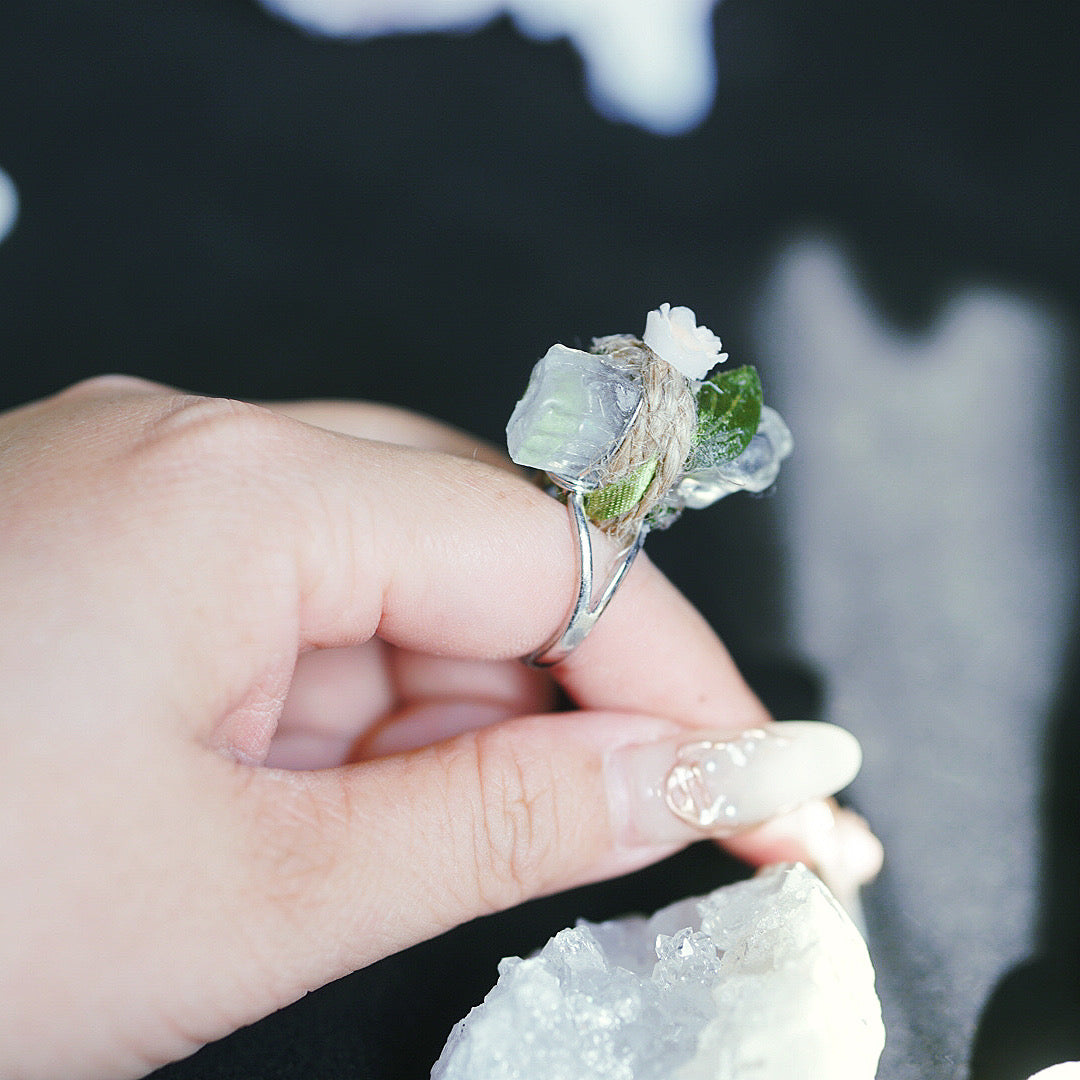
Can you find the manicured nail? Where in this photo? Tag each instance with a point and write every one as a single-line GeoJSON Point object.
{"type": "Point", "coordinates": [717, 785]}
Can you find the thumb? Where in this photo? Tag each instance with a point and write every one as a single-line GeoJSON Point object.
{"type": "Point", "coordinates": [358, 862]}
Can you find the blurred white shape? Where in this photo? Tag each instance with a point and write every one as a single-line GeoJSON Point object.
{"type": "Point", "coordinates": [365, 18]}
{"type": "Point", "coordinates": [9, 204]}
{"type": "Point", "coordinates": [928, 515]}
{"type": "Point", "coordinates": [648, 62]}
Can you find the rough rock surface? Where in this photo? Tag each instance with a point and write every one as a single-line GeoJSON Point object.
{"type": "Point", "coordinates": [764, 979]}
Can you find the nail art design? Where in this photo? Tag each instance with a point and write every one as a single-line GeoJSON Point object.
{"type": "Point", "coordinates": [698, 788]}
{"type": "Point", "coordinates": [717, 784]}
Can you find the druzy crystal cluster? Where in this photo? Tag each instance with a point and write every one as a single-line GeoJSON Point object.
{"type": "Point", "coordinates": [764, 980]}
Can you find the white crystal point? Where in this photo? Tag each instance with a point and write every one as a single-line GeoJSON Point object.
{"type": "Point", "coordinates": [674, 335]}
{"type": "Point", "coordinates": [1067, 1070]}
{"type": "Point", "coordinates": [573, 414]}
{"type": "Point", "coordinates": [755, 469]}
{"type": "Point", "coordinates": [764, 980]}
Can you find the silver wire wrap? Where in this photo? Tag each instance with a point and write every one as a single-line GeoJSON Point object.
{"type": "Point", "coordinates": [586, 611]}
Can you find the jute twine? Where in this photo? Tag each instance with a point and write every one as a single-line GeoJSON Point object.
{"type": "Point", "coordinates": [663, 430]}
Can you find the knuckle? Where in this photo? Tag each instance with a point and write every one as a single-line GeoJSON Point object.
{"type": "Point", "coordinates": [298, 843]}
{"type": "Point", "coordinates": [208, 429]}
{"type": "Point", "coordinates": [192, 451]}
{"type": "Point", "coordinates": [110, 385]}
{"type": "Point", "coordinates": [516, 826]}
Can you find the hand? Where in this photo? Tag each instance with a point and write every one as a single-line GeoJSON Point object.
{"type": "Point", "coordinates": [261, 722]}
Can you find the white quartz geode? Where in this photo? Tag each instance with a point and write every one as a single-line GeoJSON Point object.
{"type": "Point", "coordinates": [764, 980]}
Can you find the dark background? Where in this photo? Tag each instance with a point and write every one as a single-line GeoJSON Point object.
{"type": "Point", "coordinates": [215, 200]}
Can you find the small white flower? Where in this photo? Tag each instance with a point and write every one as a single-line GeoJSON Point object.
{"type": "Point", "coordinates": [674, 335]}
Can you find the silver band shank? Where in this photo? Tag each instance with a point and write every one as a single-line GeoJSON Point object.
{"type": "Point", "coordinates": [586, 611]}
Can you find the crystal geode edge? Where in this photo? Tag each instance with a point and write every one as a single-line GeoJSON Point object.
{"type": "Point", "coordinates": [767, 979]}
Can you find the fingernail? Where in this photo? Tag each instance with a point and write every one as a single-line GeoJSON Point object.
{"type": "Point", "coordinates": [680, 790]}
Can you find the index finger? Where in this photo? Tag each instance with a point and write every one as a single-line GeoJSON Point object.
{"type": "Point", "coordinates": [629, 659]}
{"type": "Point", "coordinates": [473, 561]}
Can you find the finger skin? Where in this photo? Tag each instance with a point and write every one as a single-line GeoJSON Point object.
{"type": "Point", "coordinates": [386, 423]}
{"type": "Point", "coordinates": [623, 633]}
{"type": "Point", "coordinates": [368, 700]}
{"type": "Point", "coordinates": [712, 694]}
{"type": "Point", "coordinates": [166, 560]}
{"type": "Point", "coordinates": [497, 581]}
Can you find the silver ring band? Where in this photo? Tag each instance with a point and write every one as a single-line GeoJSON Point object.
{"type": "Point", "coordinates": [586, 610]}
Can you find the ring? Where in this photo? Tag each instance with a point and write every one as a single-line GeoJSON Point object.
{"type": "Point", "coordinates": [632, 433]}
{"type": "Point", "coordinates": [586, 610]}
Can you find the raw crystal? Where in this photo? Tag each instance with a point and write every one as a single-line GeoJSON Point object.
{"type": "Point", "coordinates": [764, 980]}
{"type": "Point", "coordinates": [575, 411]}
{"type": "Point", "coordinates": [755, 469]}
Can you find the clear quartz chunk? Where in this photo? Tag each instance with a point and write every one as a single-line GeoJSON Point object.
{"type": "Point", "coordinates": [755, 469]}
{"type": "Point", "coordinates": [764, 980]}
{"type": "Point", "coordinates": [573, 414]}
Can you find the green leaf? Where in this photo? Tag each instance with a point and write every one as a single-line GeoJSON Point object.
{"type": "Point", "coordinates": [615, 499]}
{"type": "Point", "coordinates": [729, 411]}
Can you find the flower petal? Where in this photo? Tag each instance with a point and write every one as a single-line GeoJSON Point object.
{"type": "Point", "coordinates": [674, 335]}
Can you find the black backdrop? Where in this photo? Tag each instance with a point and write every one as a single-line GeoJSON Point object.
{"type": "Point", "coordinates": [213, 199]}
